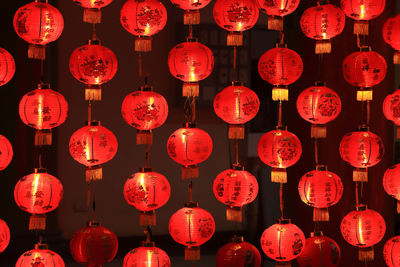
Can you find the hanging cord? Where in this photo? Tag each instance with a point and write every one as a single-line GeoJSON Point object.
{"type": "Point", "coordinates": [140, 64]}
{"type": "Point", "coordinates": [42, 78]}
{"type": "Point", "coordinates": [236, 152]}
{"type": "Point", "coordinates": [358, 41]}
{"type": "Point", "coordinates": [190, 109]}
{"type": "Point", "coordinates": [148, 233]}
{"type": "Point", "coordinates": [356, 193]}
{"type": "Point", "coordinates": [368, 119]}
{"type": "Point", "coordinates": [94, 35]}
{"type": "Point", "coordinates": [280, 114]}
{"type": "Point", "coordinates": [190, 31]}
{"type": "Point", "coordinates": [316, 151]}
{"type": "Point", "coordinates": [320, 64]}
{"type": "Point", "coordinates": [281, 206]}
{"type": "Point", "coordinates": [147, 163]}
{"type": "Point", "coordinates": [90, 111]}
{"type": "Point", "coordinates": [362, 192]}
{"type": "Point", "coordinates": [40, 157]}
{"type": "Point", "coordinates": [316, 226]}
{"type": "Point", "coordinates": [282, 38]}
{"type": "Point", "coordinates": [191, 191]}
{"type": "Point", "coordinates": [235, 70]}
{"type": "Point", "coordinates": [94, 200]}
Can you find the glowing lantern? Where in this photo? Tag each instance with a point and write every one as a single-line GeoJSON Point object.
{"type": "Point", "coordinates": [236, 105]}
{"type": "Point", "coordinates": [279, 149]}
{"type": "Point", "coordinates": [92, 12]}
{"type": "Point", "coordinates": [190, 62]}
{"type": "Point", "coordinates": [320, 189]}
{"type": "Point", "coordinates": [191, 7]}
{"type": "Point", "coordinates": [235, 16]}
{"type": "Point", "coordinates": [6, 152]}
{"type": "Point", "coordinates": [391, 252]}
{"type": "Point", "coordinates": [40, 256]}
{"type": "Point", "coordinates": [319, 250]}
{"type": "Point", "coordinates": [43, 109]}
{"type": "Point", "coordinates": [93, 245]}
{"type": "Point", "coordinates": [235, 188]}
{"type": "Point", "coordinates": [363, 228]}
{"type": "Point", "coordinates": [283, 241]}
{"type": "Point", "coordinates": [322, 23]}
{"type": "Point", "coordinates": [7, 66]}
{"type": "Point", "coordinates": [318, 105]}
{"type": "Point", "coordinates": [4, 235]}
{"type": "Point", "coordinates": [143, 19]}
{"type": "Point", "coordinates": [191, 226]}
{"type": "Point", "coordinates": [276, 10]}
{"type": "Point", "coordinates": [92, 146]}
{"type": "Point", "coordinates": [189, 146]}
{"type": "Point", "coordinates": [238, 253]}
{"type": "Point", "coordinates": [391, 183]}
{"type": "Point", "coordinates": [38, 193]}
{"type": "Point", "coordinates": [147, 191]}
{"type": "Point", "coordinates": [391, 35]}
{"type": "Point", "coordinates": [362, 12]}
{"type": "Point", "coordinates": [93, 64]}
{"type": "Point", "coordinates": [147, 256]}
{"type": "Point", "coordinates": [391, 109]}
{"type": "Point", "coordinates": [145, 110]}
{"type": "Point", "coordinates": [38, 24]}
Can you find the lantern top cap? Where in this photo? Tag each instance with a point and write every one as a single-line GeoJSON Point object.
{"type": "Point", "coordinates": [321, 168]}
{"type": "Point", "coordinates": [148, 244]}
{"type": "Point", "coordinates": [361, 207]}
{"type": "Point", "coordinates": [191, 39]}
{"type": "Point", "coordinates": [93, 123]}
{"type": "Point", "coordinates": [284, 221]}
{"type": "Point", "coordinates": [146, 88]}
{"type": "Point", "coordinates": [145, 169]}
{"type": "Point", "coordinates": [280, 45]}
{"type": "Point", "coordinates": [281, 127]}
{"type": "Point", "coordinates": [237, 239]}
{"type": "Point", "coordinates": [322, 2]}
{"type": "Point", "coordinates": [316, 233]}
{"type": "Point", "coordinates": [41, 246]}
{"type": "Point", "coordinates": [365, 49]}
{"type": "Point", "coordinates": [237, 167]}
{"type": "Point", "coordinates": [43, 86]}
{"type": "Point", "coordinates": [237, 83]}
{"type": "Point", "coordinates": [189, 125]}
{"type": "Point", "coordinates": [363, 128]}
{"type": "Point", "coordinates": [320, 83]}
{"type": "Point", "coordinates": [94, 42]}
{"type": "Point", "coordinates": [93, 223]}
{"type": "Point", "coordinates": [40, 170]}
{"type": "Point", "coordinates": [191, 205]}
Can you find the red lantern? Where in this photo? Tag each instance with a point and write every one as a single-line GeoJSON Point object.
{"type": "Point", "coordinates": [239, 254]}
{"type": "Point", "coordinates": [147, 256]}
{"type": "Point", "coordinates": [92, 12]}
{"type": "Point", "coordinates": [318, 105]}
{"type": "Point", "coordinates": [391, 35]}
{"type": "Point", "coordinates": [319, 251]}
{"type": "Point", "coordinates": [235, 188]}
{"type": "Point", "coordinates": [43, 109]}
{"type": "Point", "coordinates": [190, 62]}
{"type": "Point", "coordinates": [283, 241]}
{"type": "Point", "coordinates": [189, 146]}
{"type": "Point", "coordinates": [391, 252]}
{"type": "Point", "coordinates": [361, 12]}
{"type": "Point", "coordinates": [146, 191]}
{"type": "Point", "coordinates": [236, 105]}
{"type": "Point", "coordinates": [93, 245]}
{"type": "Point", "coordinates": [320, 189]}
{"type": "Point", "coordinates": [7, 66]}
{"type": "Point", "coordinates": [191, 226]}
{"type": "Point", "coordinates": [363, 228]}
{"type": "Point", "coordinates": [280, 67]}
{"type": "Point", "coordinates": [38, 24]}
{"type": "Point", "coordinates": [276, 10]}
{"type": "Point", "coordinates": [322, 23]}
{"type": "Point", "coordinates": [191, 7]}
{"type": "Point", "coordinates": [391, 108]}
{"type": "Point", "coordinates": [145, 110]}
{"type": "Point", "coordinates": [4, 235]}
{"type": "Point", "coordinates": [391, 183]}
{"type": "Point", "coordinates": [279, 149]}
{"type": "Point", "coordinates": [6, 152]}
{"type": "Point", "coordinates": [143, 19]}
{"type": "Point", "coordinates": [40, 256]}
{"type": "Point", "coordinates": [38, 193]}
{"type": "Point", "coordinates": [92, 146]}
{"type": "Point", "coordinates": [235, 16]}
{"type": "Point", "coordinates": [93, 64]}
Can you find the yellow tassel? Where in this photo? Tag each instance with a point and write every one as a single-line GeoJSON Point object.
{"type": "Point", "coordinates": [236, 131]}
{"type": "Point", "coordinates": [279, 176]}
{"type": "Point", "coordinates": [92, 15]}
{"type": "Point", "coordinates": [94, 173]}
{"type": "Point", "coordinates": [43, 138]}
{"type": "Point", "coordinates": [364, 95]}
{"type": "Point", "coordinates": [93, 93]}
{"type": "Point", "coordinates": [192, 253]}
{"type": "Point", "coordinates": [398, 207]}
{"type": "Point", "coordinates": [396, 58]}
{"type": "Point", "coordinates": [280, 94]}
{"type": "Point", "coordinates": [143, 44]}
{"type": "Point", "coordinates": [360, 175]}
{"type": "Point", "coordinates": [234, 214]}
{"type": "Point", "coordinates": [366, 254]}
{"type": "Point", "coordinates": [323, 47]}
{"type": "Point", "coordinates": [191, 17]}
{"type": "Point", "coordinates": [361, 27]}
{"type": "Point", "coordinates": [234, 39]}
{"type": "Point", "coordinates": [190, 89]}
{"type": "Point", "coordinates": [37, 52]}
{"type": "Point", "coordinates": [321, 215]}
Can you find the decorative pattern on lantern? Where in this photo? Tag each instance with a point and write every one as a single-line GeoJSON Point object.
{"type": "Point", "coordinates": [391, 183]}
{"type": "Point", "coordinates": [92, 12]}
{"type": "Point", "coordinates": [191, 226]}
{"type": "Point", "coordinates": [391, 109]}
{"type": "Point", "coordinates": [43, 109]}
{"type": "Point", "coordinates": [363, 228]}
{"type": "Point", "coordinates": [391, 35]}
{"type": "Point", "coordinates": [38, 24]}
{"type": "Point", "coordinates": [147, 256]}
{"type": "Point", "coordinates": [391, 252]}
{"type": "Point", "coordinates": [318, 105]}
{"type": "Point", "coordinates": [40, 256]}
{"type": "Point", "coordinates": [191, 7]}
{"type": "Point", "coordinates": [93, 65]}
{"type": "Point", "coordinates": [322, 23]}
{"type": "Point", "coordinates": [276, 10]}
{"type": "Point", "coordinates": [93, 245]}
{"type": "Point", "coordinates": [235, 16]}
{"type": "Point", "coordinates": [92, 146]}
{"type": "Point", "coordinates": [143, 19]}
{"type": "Point", "coordinates": [145, 110]}
{"type": "Point", "coordinates": [236, 105]}
{"type": "Point", "coordinates": [7, 67]}
{"type": "Point", "coordinates": [283, 241]}
{"type": "Point", "coordinates": [190, 62]}
{"type": "Point", "coordinates": [38, 193]}
{"type": "Point", "coordinates": [238, 253]}
{"type": "Point", "coordinates": [189, 146]}
{"type": "Point", "coordinates": [319, 250]}
{"type": "Point", "coordinates": [4, 235]}
{"type": "Point", "coordinates": [279, 149]}
{"type": "Point", "coordinates": [6, 152]}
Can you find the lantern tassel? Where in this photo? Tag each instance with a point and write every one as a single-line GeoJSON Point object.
{"type": "Point", "coordinates": [43, 138]}
{"type": "Point", "coordinates": [93, 93]}
{"type": "Point", "coordinates": [236, 131]}
{"type": "Point", "coordinates": [143, 44]}
{"type": "Point", "coordinates": [361, 27]}
{"type": "Point", "coordinates": [147, 218]}
{"type": "Point", "coordinates": [366, 254]}
{"type": "Point", "coordinates": [364, 94]}
{"type": "Point", "coordinates": [37, 52]}
{"type": "Point", "coordinates": [192, 253]}
{"type": "Point", "coordinates": [360, 175]}
{"type": "Point", "coordinates": [323, 47]}
{"type": "Point", "coordinates": [321, 215]}
{"type": "Point", "coordinates": [275, 23]}
{"type": "Point", "coordinates": [190, 89]}
{"type": "Point", "coordinates": [397, 133]}
{"type": "Point", "coordinates": [92, 15]}
{"type": "Point", "coordinates": [278, 176]}
{"type": "Point", "coordinates": [318, 131]}
{"type": "Point", "coordinates": [191, 17]}
{"type": "Point", "coordinates": [396, 58]}
{"type": "Point", "coordinates": [234, 39]}
{"type": "Point", "coordinates": [280, 93]}
{"type": "Point", "coordinates": [144, 137]}
{"type": "Point", "coordinates": [283, 264]}
{"type": "Point", "coordinates": [398, 207]}
{"type": "Point", "coordinates": [94, 173]}
{"type": "Point", "coordinates": [234, 214]}
{"type": "Point", "coordinates": [190, 172]}
{"type": "Point", "coordinates": [37, 222]}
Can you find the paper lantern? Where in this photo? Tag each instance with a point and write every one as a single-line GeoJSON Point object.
{"type": "Point", "coordinates": [235, 16]}
{"type": "Point", "coordinates": [235, 188]}
{"type": "Point", "coordinates": [6, 152]}
{"type": "Point", "coordinates": [322, 23]}
{"type": "Point", "coordinates": [283, 241]}
{"type": "Point", "coordinates": [190, 62]}
{"type": "Point", "coordinates": [92, 12]}
{"type": "Point", "coordinates": [93, 245]}
{"type": "Point", "coordinates": [391, 35]}
{"type": "Point", "coordinates": [391, 108]}
{"type": "Point", "coordinates": [238, 253]}
{"type": "Point", "coordinates": [7, 67]}
{"type": "Point", "coordinates": [191, 226]}
{"type": "Point", "coordinates": [191, 7]}
{"type": "Point", "coordinates": [279, 149]}
{"type": "Point", "coordinates": [41, 256]}
{"type": "Point", "coordinates": [319, 250]}
{"type": "Point", "coordinates": [363, 228]}
{"type": "Point", "coordinates": [391, 252]}
{"type": "Point", "coordinates": [147, 190]}
{"type": "Point", "coordinates": [391, 183]}
{"type": "Point", "coordinates": [318, 105]}
{"type": "Point", "coordinates": [38, 24]}
{"type": "Point", "coordinates": [189, 146]}
{"type": "Point", "coordinates": [280, 67]}
{"type": "Point", "coordinates": [276, 10]}
{"type": "Point", "coordinates": [43, 109]}
{"type": "Point", "coordinates": [145, 110]}
{"type": "Point", "coordinates": [143, 19]}
{"type": "Point", "coordinates": [4, 235]}
{"type": "Point", "coordinates": [93, 65]}
{"type": "Point", "coordinates": [236, 105]}
{"type": "Point", "coordinates": [147, 256]}
{"type": "Point", "coordinates": [38, 193]}
{"type": "Point", "coordinates": [92, 146]}
{"type": "Point", "coordinates": [320, 189]}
